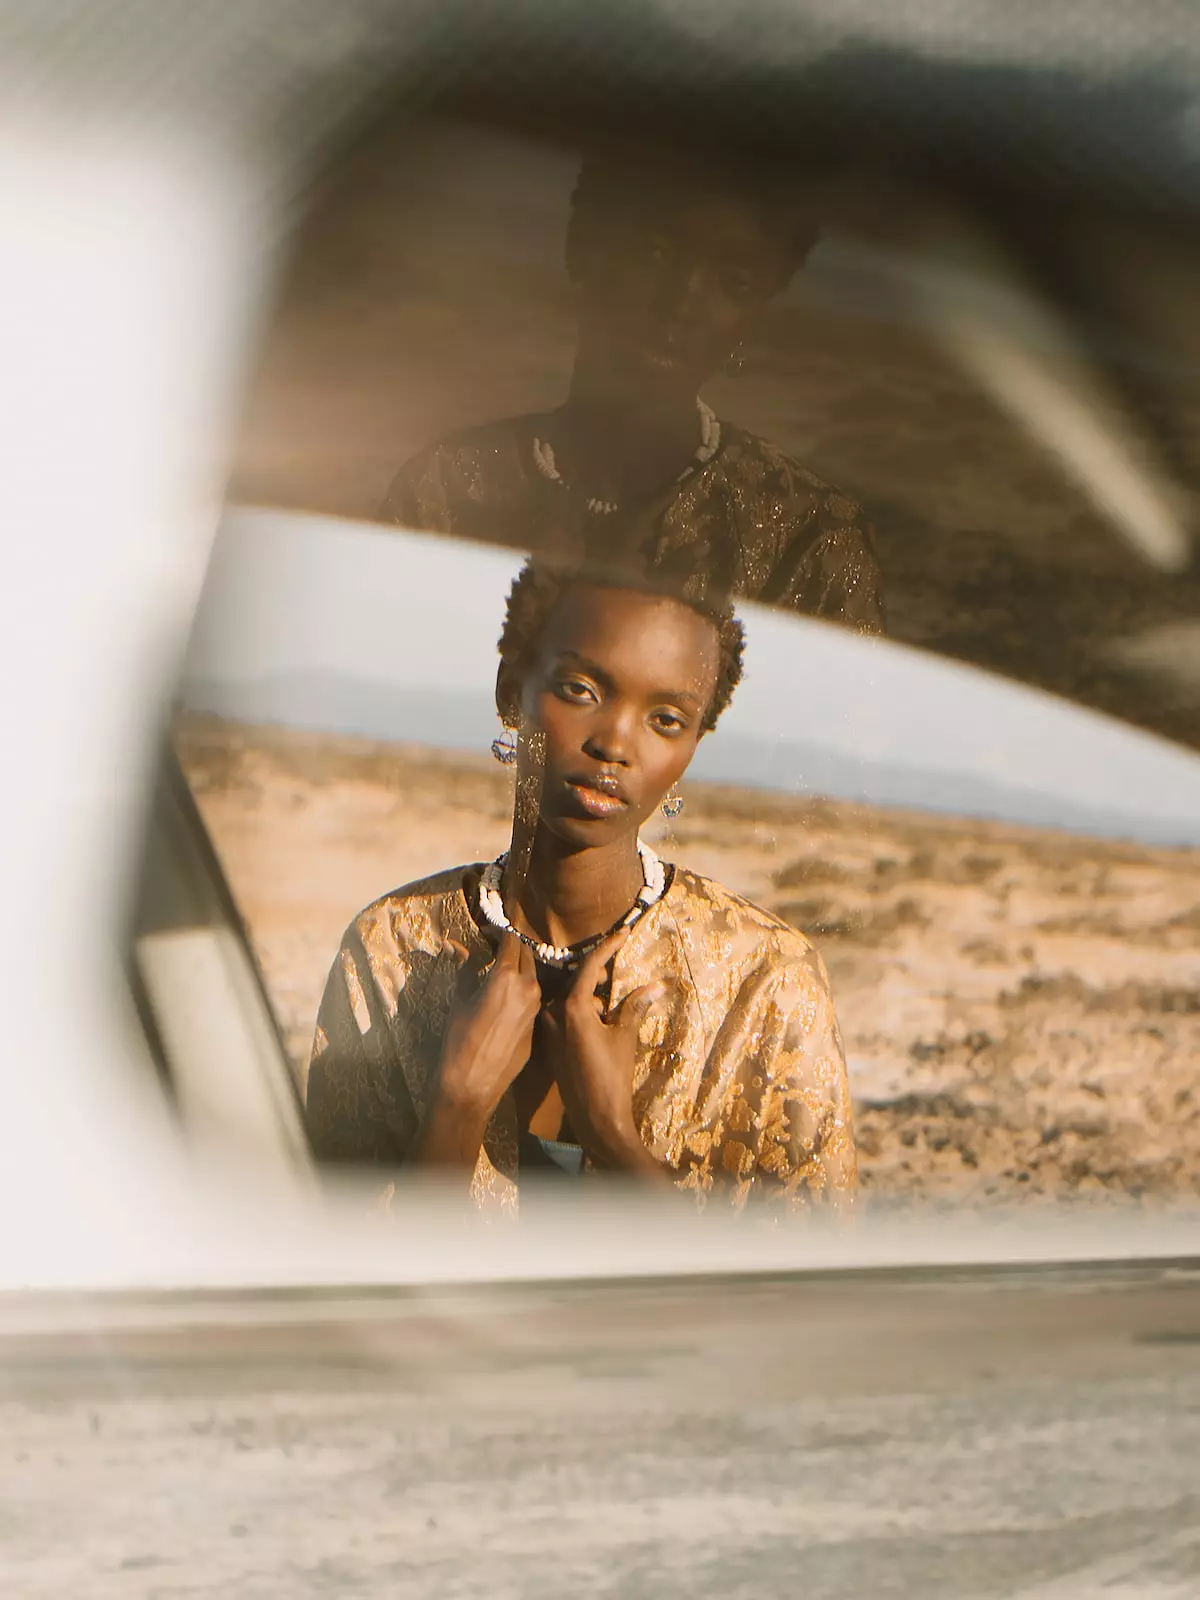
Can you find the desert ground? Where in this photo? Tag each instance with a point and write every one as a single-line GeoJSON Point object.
{"type": "Point", "coordinates": [1020, 1008]}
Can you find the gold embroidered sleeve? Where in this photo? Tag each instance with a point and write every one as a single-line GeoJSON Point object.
{"type": "Point", "coordinates": [377, 1049]}
{"type": "Point", "coordinates": [807, 1149]}
{"type": "Point", "coordinates": [839, 580]}
{"type": "Point", "coordinates": [356, 1109]}
{"type": "Point", "coordinates": [420, 497]}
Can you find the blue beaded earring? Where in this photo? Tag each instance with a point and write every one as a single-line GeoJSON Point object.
{"type": "Point", "coordinates": [672, 804]}
{"type": "Point", "coordinates": [504, 748]}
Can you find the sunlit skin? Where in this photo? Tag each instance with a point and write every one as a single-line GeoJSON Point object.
{"type": "Point", "coordinates": [668, 289]}
{"type": "Point", "coordinates": [608, 716]}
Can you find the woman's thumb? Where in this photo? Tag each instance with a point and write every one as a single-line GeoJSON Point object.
{"type": "Point", "coordinates": [640, 1001]}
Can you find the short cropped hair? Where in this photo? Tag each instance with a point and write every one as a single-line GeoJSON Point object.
{"type": "Point", "coordinates": [539, 586]}
{"type": "Point", "coordinates": [612, 177]}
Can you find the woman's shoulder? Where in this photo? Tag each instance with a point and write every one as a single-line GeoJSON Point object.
{"type": "Point", "coordinates": [413, 905]}
{"type": "Point", "coordinates": [717, 920]}
{"type": "Point", "coordinates": [500, 435]}
{"type": "Point", "coordinates": [750, 454]}
{"type": "Point", "coordinates": [506, 441]}
{"type": "Point", "coordinates": [484, 465]}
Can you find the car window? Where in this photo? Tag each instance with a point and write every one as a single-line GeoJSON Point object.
{"type": "Point", "coordinates": [952, 498]}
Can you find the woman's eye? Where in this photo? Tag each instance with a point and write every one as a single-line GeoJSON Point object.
{"type": "Point", "coordinates": [668, 722]}
{"type": "Point", "coordinates": [575, 689]}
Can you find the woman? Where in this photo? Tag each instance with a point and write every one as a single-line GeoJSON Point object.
{"type": "Point", "coordinates": [673, 264]}
{"type": "Point", "coordinates": [577, 1004]}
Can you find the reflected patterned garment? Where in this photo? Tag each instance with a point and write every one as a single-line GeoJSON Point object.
{"type": "Point", "coordinates": [740, 1081]}
{"type": "Point", "coordinates": [752, 522]}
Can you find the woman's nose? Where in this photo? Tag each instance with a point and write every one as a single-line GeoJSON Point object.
{"type": "Point", "coordinates": [682, 290]}
{"type": "Point", "coordinates": [609, 741]}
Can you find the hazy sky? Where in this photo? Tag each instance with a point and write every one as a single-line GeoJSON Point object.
{"type": "Point", "coordinates": [300, 595]}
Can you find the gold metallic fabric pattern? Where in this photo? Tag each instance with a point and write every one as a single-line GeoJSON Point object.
{"type": "Point", "coordinates": [740, 1085]}
{"type": "Point", "coordinates": [751, 522]}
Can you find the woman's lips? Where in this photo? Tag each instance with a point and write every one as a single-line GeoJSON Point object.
{"type": "Point", "coordinates": [595, 802]}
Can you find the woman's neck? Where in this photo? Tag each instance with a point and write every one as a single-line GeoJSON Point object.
{"type": "Point", "coordinates": [625, 446]}
{"type": "Point", "coordinates": [562, 895]}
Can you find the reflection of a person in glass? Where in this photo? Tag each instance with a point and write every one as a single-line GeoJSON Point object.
{"type": "Point", "coordinates": [673, 263]}
{"type": "Point", "coordinates": [578, 1005]}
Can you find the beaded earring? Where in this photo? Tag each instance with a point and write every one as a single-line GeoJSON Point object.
{"type": "Point", "coordinates": [504, 747]}
{"type": "Point", "coordinates": [672, 803]}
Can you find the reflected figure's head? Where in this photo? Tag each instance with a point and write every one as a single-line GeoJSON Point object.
{"type": "Point", "coordinates": [610, 689]}
{"type": "Point", "coordinates": [674, 260]}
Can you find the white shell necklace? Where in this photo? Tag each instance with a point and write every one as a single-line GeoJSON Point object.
{"type": "Point", "coordinates": [710, 443]}
{"type": "Point", "coordinates": [654, 882]}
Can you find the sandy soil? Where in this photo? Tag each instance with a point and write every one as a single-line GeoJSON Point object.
{"type": "Point", "coordinates": [1021, 1008]}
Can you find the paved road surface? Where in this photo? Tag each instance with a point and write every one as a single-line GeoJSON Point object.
{"type": "Point", "coordinates": [1031, 1435]}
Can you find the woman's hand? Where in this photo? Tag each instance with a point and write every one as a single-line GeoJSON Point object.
{"type": "Point", "coordinates": [488, 1039]}
{"type": "Point", "coordinates": [594, 1060]}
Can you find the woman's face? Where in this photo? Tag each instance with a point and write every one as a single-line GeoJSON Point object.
{"type": "Point", "coordinates": [671, 287]}
{"type": "Point", "coordinates": [612, 709]}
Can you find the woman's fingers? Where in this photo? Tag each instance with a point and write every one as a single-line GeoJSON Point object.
{"type": "Point", "coordinates": [516, 959]}
{"type": "Point", "coordinates": [591, 969]}
{"type": "Point", "coordinates": [463, 981]}
{"type": "Point", "coordinates": [508, 956]}
{"type": "Point", "coordinates": [637, 1003]}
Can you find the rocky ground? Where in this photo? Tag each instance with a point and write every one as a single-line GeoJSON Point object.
{"type": "Point", "coordinates": [1021, 1009]}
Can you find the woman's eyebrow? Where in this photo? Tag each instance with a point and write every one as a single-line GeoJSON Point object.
{"type": "Point", "coordinates": [686, 697]}
{"type": "Point", "coordinates": [592, 668]}
{"type": "Point", "coordinates": [681, 697]}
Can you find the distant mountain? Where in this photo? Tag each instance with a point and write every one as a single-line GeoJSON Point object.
{"type": "Point", "coordinates": [328, 702]}
{"type": "Point", "coordinates": [793, 767]}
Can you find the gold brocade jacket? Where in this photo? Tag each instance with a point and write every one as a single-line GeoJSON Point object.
{"type": "Point", "coordinates": [740, 1081]}
{"type": "Point", "coordinates": [752, 522]}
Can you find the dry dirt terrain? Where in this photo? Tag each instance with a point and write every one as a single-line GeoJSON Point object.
{"type": "Point", "coordinates": [1021, 1009]}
